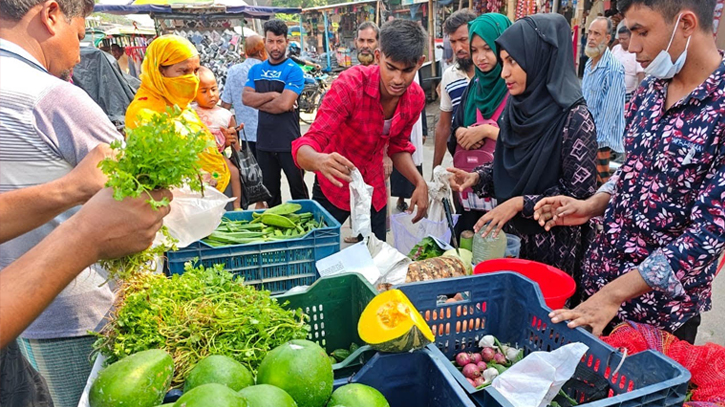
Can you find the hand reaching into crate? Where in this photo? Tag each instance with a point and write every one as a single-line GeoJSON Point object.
{"type": "Point", "coordinates": [599, 310]}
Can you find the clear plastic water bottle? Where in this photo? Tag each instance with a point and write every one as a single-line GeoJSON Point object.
{"type": "Point", "coordinates": [488, 248]}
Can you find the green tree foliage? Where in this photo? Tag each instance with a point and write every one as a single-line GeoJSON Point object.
{"type": "Point", "coordinates": [303, 3]}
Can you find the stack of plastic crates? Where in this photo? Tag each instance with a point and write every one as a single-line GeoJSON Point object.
{"type": "Point", "coordinates": [276, 266]}
{"type": "Point", "coordinates": [511, 307]}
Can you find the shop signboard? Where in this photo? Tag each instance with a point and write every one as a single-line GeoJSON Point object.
{"type": "Point", "coordinates": [409, 2]}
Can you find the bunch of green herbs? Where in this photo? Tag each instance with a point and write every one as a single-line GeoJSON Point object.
{"type": "Point", "coordinates": [205, 311]}
{"type": "Point", "coordinates": [161, 153]}
{"type": "Point", "coordinates": [425, 249]}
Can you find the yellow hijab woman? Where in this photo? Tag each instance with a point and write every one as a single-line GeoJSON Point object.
{"type": "Point", "coordinates": [169, 78]}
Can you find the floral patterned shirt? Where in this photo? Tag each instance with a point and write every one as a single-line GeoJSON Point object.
{"type": "Point", "coordinates": [666, 216]}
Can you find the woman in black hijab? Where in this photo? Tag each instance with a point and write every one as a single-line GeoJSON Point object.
{"type": "Point", "coordinates": [547, 142]}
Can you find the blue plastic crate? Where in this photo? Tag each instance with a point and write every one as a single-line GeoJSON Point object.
{"type": "Point", "coordinates": [275, 266]}
{"type": "Point", "coordinates": [417, 379]}
{"type": "Point", "coordinates": [511, 307]}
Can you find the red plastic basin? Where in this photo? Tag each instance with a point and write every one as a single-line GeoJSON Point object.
{"type": "Point", "coordinates": [555, 285]}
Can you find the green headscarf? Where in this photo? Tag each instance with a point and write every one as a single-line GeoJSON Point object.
{"type": "Point", "coordinates": [488, 89]}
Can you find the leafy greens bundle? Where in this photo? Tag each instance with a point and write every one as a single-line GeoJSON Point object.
{"type": "Point", "coordinates": [205, 311]}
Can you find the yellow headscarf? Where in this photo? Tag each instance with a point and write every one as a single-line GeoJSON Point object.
{"type": "Point", "coordinates": [158, 92]}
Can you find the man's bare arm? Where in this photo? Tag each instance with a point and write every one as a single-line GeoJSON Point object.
{"type": "Point", "coordinates": [25, 209]}
{"type": "Point", "coordinates": [104, 228]}
{"type": "Point", "coordinates": [252, 98]}
{"type": "Point", "coordinates": [284, 103]}
{"type": "Point", "coordinates": [443, 131]}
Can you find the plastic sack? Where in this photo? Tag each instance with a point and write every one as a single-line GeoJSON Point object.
{"type": "Point", "coordinates": [193, 216]}
{"type": "Point", "coordinates": [706, 362]}
{"type": "Point", "coordinates": [361, 198]}
{"type": "Point", "coordinates": [537, 379]}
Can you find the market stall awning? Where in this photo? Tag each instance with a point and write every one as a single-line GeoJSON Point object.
{"type": "Point", "coordinates": [148, 31]}
{"type": "Point", "coordinates": [172, 7]}
{"type": "Point", "coordinates": [334, 6]}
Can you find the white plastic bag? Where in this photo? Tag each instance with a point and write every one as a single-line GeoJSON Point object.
{"type": "Point", "coordinates": [361, 198]}
{"type": "Point", "coordinates": [537, 379]}
{"type": "Point", "coordinates": [392, 264]}
{"type": "Point", "coordinates": [193, 216]}
{"type": "Point", "coordinates": [377, 261]}
{"type": "Point", "coordinates": [437, 190]}
{"type": "Point", "coordinates": [407, 234]}
{"type": "Point", "coordinates": [352, 259]}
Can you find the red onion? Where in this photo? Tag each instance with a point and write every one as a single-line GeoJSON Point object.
{"type": "Point", "coordinates": [471, 371]}
{"type": "Point", "coordinates": [479, 381]}
{"type": "Point", "coordinates": [488, 354]}
{"type": "Point", "coordinates": [476, 357]}
{"type": "Point", "coordinates": [471, 381]}
{"type": "Point", "coordinates": [499, 358]}
{"type": "Point", "coordinates": [463, 358]}
{"type": "Point", "coordinates": [482, 366]}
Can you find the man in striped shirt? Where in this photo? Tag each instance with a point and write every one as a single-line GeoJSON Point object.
{"type": "Point", "coordinates": [47, 127]}
{"type": "Point", "coordinates": [604, 90]}
{"type": "Point", "coordinates": [455, 79]}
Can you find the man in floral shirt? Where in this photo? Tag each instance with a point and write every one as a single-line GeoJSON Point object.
{"type": "Point", "coordinates": [664, 224]}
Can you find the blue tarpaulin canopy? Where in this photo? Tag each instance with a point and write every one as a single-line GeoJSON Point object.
{"type": "Point", "coordinates": [244, 10]}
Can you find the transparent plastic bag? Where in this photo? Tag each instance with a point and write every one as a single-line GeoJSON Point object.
{"type": "Point", "coordinates": [489, 247]}
{"type": "Point", "coordinates": [536, 380]}
{"type": "Point", "coordinates": [407, 234]}
{"type": "Point", "coordinates": [193, 216]}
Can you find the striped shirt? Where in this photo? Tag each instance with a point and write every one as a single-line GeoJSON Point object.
{"type": "Point", "coordinates": [47, 126]}
{"type": "Point", "coordinates": [604, 90]}
{"type": "Point", "coordinates": [233, 89]}
{"type": "Point", "coordinates": [453, 83]}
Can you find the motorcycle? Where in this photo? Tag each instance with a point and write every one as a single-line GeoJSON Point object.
{"type": "Point", "coordinates": [311, 97]}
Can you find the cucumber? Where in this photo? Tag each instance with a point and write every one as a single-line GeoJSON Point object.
{"type": "Point", "coordinates": [340, 354]}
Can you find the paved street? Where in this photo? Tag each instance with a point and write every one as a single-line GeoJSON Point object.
{"type": "Point", "coordinates": [713, 322]}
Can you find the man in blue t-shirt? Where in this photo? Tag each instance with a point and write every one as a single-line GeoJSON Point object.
{"type": "Point", "coordinates": [273, 88]}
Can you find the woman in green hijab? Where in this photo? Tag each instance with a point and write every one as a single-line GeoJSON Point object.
{"type": "Point", "coordinates": [475, 122]}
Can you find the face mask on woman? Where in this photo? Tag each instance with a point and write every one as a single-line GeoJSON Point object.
{"type": "Point", "coordinates": [181, 89]}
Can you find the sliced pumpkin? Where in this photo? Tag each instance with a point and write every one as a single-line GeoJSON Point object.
{"type": "Point", "coordinates": [390, 323]}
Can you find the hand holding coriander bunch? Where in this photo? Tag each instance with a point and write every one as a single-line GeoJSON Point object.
{"type": "Point", "coordinates": [162, 152]}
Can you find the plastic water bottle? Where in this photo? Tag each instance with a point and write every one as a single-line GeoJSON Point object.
{"type": "Point", "coordinates": [488, 248]}
{"type": "Point", "coordinates": [513, 246]}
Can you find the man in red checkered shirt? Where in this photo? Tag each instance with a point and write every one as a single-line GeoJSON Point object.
{"type": "Point", "coordinates": [366, 109]}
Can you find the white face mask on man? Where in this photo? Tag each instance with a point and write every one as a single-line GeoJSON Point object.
{"type": "Point", "coordinates": [662, 67]}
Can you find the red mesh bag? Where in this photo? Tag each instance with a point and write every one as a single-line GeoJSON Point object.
{"type": "Point", "coordinates": [706, 363]}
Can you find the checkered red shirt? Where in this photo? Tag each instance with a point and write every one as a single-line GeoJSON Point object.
{"type": "Point", "coordinates": [350, 123]}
